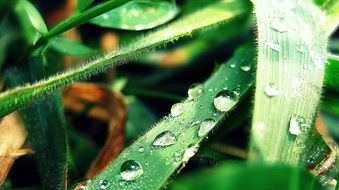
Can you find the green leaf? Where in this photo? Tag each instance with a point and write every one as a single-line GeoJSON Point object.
{"type": "Point", "coordinates": [210, 16]}
{"type": "Point", "coordinates": [290, 71]}
{"type": "Point", "coordinates": [254, 177]}
{"type": "Point", "coordinates": [83, 4]}
{"type": "Point", "coordinates": [68, 47]}
{"type": "Point", "coordinates": [34, 16]}
{"type": "Point", "coordinates": [187, 128]}
{"type": "Point", "coordinates": [138, 15]}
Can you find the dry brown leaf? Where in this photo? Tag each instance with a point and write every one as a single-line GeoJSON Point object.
{"type": "Point", "coordinates": [12, 138]}
{"type": "Point", "coordinates": [108, 106]}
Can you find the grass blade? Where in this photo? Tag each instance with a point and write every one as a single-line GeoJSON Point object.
{"type": "Point", "coordinates": [210, 16]}
{"type": "Point", "coordinates": [158, 162]}
{"type": "Point", "coordinates": [290, 71]}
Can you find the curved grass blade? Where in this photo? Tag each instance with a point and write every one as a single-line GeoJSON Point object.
{"type": "Point", "coordinates": [171, 142]}
{"type": "Point", "coordinates": [210, 16]}
{"type": "Point", "coordinates": [138, 15]}
{"type": "Point", "coordinates": [290, 71]}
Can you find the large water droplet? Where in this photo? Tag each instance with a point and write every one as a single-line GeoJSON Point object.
{"type": "Point", "coordinates": [271, 90]}
{"type": "Point", "coordinates": [166, 138]}
{"type": "Point", "coordinates": [272, 45]}
{"type": "Point", "coordinates": [131, 170]}
{"type": "Point", "coordinates": [296, 125]}
{"type": "Point", "coordinates": [205, 127]}
{"type": "Point", "coordinates": [245, 66]}
{"type": "Point", "coordinates": [195, 90]}
{"type": "Point", "coordinates": [177, 109]}
{"type": "Point", "coordinates": [103, 184]}
{"type": "Point", "coordinates": [225, 100]}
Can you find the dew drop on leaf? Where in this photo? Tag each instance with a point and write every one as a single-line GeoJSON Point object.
{"type": "Point", "coordinates": [225, 100]}
{"type": "Point", "coordinates": [195, 90]}
{"type": "Point", "coordinates": [103, 184]}
{"type": "Point", "coordinates": [271, 90]}
{"type": "Point", "coordinates": [296, 125]}
{"type": "Point", "coordinates": [177, 109]}
{"type": "Point", "coordinates": [166, 138]}
{"type": "Point", "coordinates": [131, 170]}
{"type": "Point", "coordinates": [205, 127]}
{"type": "Point", "coordinates": [141, 149]}
{"type": "Point", "coordinates": [245, 66]}
{"type": "Point", "coordinates": [232, 65]}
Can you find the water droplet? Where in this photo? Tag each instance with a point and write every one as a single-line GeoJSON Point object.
{"type": "Point", "coordinates": [206, 126]}
{"type": "Point", "coordinates": [141, 149]}
{"type": "Point", "coordinates": [190, 151]}
{"type": "Point", "coordinates": [225, 100]}
{"type": "Point", "coordinates": [195, 91]}
{"type": "Point", "coordinates": [272, 45]}
{"type": "Point", "coordinates": [232, 65]}
{"type": "Point", "coordinates": [166, 138]}
{"type": "Point", "coordinates": [245, 66]}
{"type": "Point", "coordinates": [130, 170]}
{"type": "Point", "coordinates": [271, 90]}
{"type": "Point", "coordinates": [177, 109]}
{"type": "Point", "coordinates": [296, 125]}
{"type": "Point", "coordinates": [279, 26]}
{"type": "Point", "coordinates": [103, 184]}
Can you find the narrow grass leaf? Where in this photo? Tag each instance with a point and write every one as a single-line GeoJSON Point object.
{"type": "Point", "coordinates": [171, 142]}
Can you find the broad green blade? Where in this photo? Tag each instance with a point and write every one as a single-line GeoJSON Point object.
{"type": "Point", "coordinates": [175, 139]}
{"type": "Point", "coordinates": [290, 72]}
